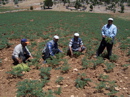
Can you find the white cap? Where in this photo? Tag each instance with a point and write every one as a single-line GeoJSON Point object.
{"type": "Point", "coordinates": [111, 19]}
{"type": "Point", "coordinates": [76, 34]}
{"type": "Point", "coordinates": [56, 37]}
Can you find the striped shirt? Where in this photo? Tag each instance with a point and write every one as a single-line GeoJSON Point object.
{"type": "Point", "coordinates": [75, 43]}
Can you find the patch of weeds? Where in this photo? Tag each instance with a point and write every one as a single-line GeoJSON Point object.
{"type": "Point", "coordinates": [125, 66]}
{"type": "Point", "coordinates": [97, 62]}
{"type": "Point", "coordinates": [76, 54]}
{"type": "Point", "coordinates": [109, 67]}
{"type": "Point", "coordinates": [66, 67]}
{"type": "Point", "coordinates": [59, 80]}
{"type": "Point", "coordinates": [30, 88]}
{"type": "Point", "coordinates": [18, 69]}
{"type": "Point", "coordinates": [113, 58]}
{"type": "Point", "coordinates": [100, 86]}
{"type": "Point", "coordinates": [103, 77]}
{"type": "Point", "coordinates": [81, 81]}
{"type": "Point", "coordinates": [58, 92]}
{"type": "Point", "coordinates": [85, 63]}
{"type": "Point", "coordinates": [16, 72]}
{"type": "Point", "coordinates": [53, 62]}
{"type": "Point", "coordinates": [111, 87]}
{"type": "Point", "coordinates": [45, 73]}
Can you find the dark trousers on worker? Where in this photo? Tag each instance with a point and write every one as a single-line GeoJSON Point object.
{"type": "Point", "coordinates": [23, 58]}
{"type": "Point", "coordinates": [102, 46]}
{"type": "Point", "coordinates": [47, 55]}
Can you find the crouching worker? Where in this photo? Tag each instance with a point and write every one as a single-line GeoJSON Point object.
{"type": "Point", "coordinates": [75, 45]}
{"type": "Point", "coordinates": [51, 48]}
{"type": "Point", "coordinates": [21, 52]}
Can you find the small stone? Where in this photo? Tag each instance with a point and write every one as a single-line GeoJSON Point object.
{"type": "Point", "coordinates": [126, 77]}
{"type": "Point", "coordinates": [72, 96]}
{"type": "Point", "coordinates": [121, 81]}
{"type": "Point", "coordinates": [116, 88]}
{"type": "Point", "coordinates": [75, 69]}
{"type": "Point", "coordinates": [58, 86]}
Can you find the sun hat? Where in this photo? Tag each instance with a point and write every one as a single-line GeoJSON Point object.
{"type": "Point", "coordinates": [110, 19]}
{"type": "Point", "coordinates": [56, 37]}
{"type": "Point", "coordinates": [24, 40]}
{"type": "Point", "coordinates": [76, 34]}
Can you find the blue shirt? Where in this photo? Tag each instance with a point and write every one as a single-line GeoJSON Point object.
{"type": "Point", "coordinates": [51, 45]}
{"type": "Point", "coordinates": [109, 30]}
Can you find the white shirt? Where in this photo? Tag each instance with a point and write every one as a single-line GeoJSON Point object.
{"type": "Point", "coordinates": [20, 51]}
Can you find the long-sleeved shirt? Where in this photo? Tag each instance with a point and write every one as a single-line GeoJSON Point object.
{"type": "Point", "coordinates": [19, 50]}
{"type": "Point", "coordinates": [75, 43]}
{"type": "Point", "coordinates": [51, 46]}
{"type": "Point", "coordinates": [109, 30]}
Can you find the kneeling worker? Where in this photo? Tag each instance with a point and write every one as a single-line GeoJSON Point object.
{"type": "Point", "coordinates": [21, 52]}
{"type": "Point", "coordinates": [51, 48]}
{"type": "Point", "coordinates": [75, 45]}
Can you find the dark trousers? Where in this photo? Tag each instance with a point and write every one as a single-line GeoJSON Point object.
{"type": "Point", "coordinates": [23, 58]}
{"type": "Point", "coordinates": [102, 46]}
{"type": "Point", "coordinates": [47, 55]}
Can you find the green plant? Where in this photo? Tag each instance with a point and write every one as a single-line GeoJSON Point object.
{"type": "Point", "coordinates": [97, 62]}
{"type": "Point", "coordinates": [85, 63]}
{"type": "Point", "coordinates": [111, 87]}
{"type": "Point", "coordinates": [113, 58]}
{"type": "Point", "coordinates": [16, 72]}
{"type": "Point", "coordinates": [23, 67]}
{"type": "Point", "coordinates": [45, 73]}
{"type": "Point", "coordinates": [59, 80]}
{"type": "Point", "coordinates": [101, 86]}
{"type": "Point", "coordinates": [30, 88]}
{"type": "Point", "coordinates": [103, 77]}
{"type": "Point", "coordinates": [65, 68]}
{"type": "Point", "coordinates": [125, 66]}
{"type": "Point", "coordinates": [53, 62]}
{"type": "Point", "coordinates": [58, 92]}
{"type": "Point", "coordinates": [81, 81]}
{"type": "Point", "coordinates": [108, 40]}
{"type": "Point", "coordinates": [76, 54]}
{"type": "Point", "coordinates": [109, 67]}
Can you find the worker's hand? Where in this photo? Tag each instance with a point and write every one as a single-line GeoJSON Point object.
{"type": "Point", "coordinates": [103, 36]}
{"type": "Point", "coordinates": [31, 57]}
{"type": "Point", "coordinates": [80, 49]}
{"type": "Point", "coordinates": [20, 61]}
{"type": "Point", "coordinates": [72, 54]}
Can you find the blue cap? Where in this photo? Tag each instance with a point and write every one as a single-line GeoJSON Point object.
{"type": "Point", "coordinates": [24, 40]}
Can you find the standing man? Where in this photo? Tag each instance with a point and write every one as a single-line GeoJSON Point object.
{"type": "Point", "coordinates": [51, 48]}
{"type": "Point", "coordinates": [109, 32]}
{"type": "Point", "coordinates": [75, 45]}
{"type": "Point", "coordinates": [21, 52]}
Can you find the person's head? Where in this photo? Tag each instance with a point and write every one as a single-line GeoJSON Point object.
{"type": "Point", "coordinates": [56, 38]}
{"type": "Point", "coordinates": [76, 35]}
{"type": "Point", "coordinates": [24, 42]}
{"type": "Point", "coordinates": [110, 21]}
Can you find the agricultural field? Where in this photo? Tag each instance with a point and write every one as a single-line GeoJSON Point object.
{"type": "Point", "coordinates": [80, 76]}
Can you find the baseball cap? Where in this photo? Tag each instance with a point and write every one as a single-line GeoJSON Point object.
{"type": "Point", "coordinates": [110, 19]}
{"type": "Point", "coordinates": [56, 37]}
{"type": "Point", "coordinates": [24, 40]}
{"type": "Point", "coordinates": [76, 34]}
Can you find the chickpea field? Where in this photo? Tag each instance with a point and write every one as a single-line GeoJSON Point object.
{"type": "Point", "coordinates": [80, 76]}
